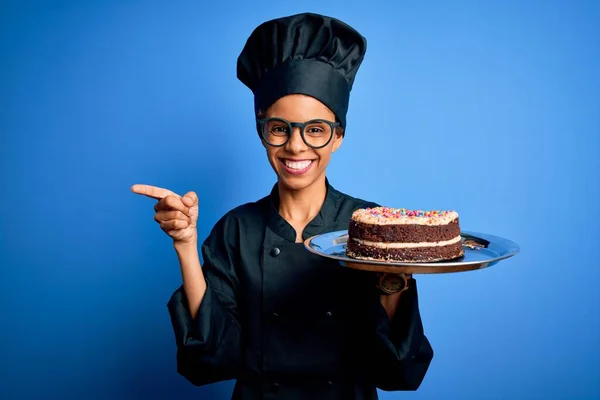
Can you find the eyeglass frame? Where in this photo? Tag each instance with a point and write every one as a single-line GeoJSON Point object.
{"type": "Point", "coordinates": [260, 123]}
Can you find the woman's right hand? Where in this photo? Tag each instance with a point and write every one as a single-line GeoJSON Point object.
{"type": "Point", "coordinates": [176, 215]}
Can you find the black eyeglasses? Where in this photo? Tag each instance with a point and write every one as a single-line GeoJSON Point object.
{"type": "Point", "coordinates": [316, 133]}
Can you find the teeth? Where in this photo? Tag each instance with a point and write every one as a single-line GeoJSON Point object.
{"type": "Point", "coordinates": [298, 165]}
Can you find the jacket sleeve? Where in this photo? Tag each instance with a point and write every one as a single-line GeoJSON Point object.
{"type": "Point", "coordinates": [401, 353]}
{"type": "Point", "coordinates": [208, 346]}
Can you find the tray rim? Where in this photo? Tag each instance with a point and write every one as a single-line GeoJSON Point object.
{"type": "Point", "coordinates": [420, 267]}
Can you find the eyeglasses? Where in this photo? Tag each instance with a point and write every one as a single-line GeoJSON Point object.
{"type": "Point", "coordinates": [316, 133]}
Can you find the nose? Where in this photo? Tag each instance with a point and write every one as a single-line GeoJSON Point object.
{"type": "Point", "coordinates": [296, 144]}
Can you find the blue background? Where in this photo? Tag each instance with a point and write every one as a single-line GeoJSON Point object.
{"type": "Point", "coordinates": [489, 108]}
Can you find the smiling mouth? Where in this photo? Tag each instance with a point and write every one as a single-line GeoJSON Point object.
{"type": "Point", "coordinates": [297, 165]}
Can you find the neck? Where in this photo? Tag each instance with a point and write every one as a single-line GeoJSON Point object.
{"type": "Point", "coordinates": [301, 206]}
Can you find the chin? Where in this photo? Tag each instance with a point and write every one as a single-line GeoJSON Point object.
{"type": "Point", "coordinates": [297, 182]}
{"type": "Point", "coordinates": [294, 182]}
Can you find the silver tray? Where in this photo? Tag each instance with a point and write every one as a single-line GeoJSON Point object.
{"type": "Point", "coordinates": [481, 251]}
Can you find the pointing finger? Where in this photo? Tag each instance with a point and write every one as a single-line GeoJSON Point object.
{"type": "Point", "coordinates": [154, 192]}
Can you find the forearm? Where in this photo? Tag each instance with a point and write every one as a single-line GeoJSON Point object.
{"type": "Point", "coordinates": [388, 284]}
{"type": "Point", "coordinates": [402, 353]}
{"type": "Point", "coordinates": [390, 303]}
{"type": "Point", "coordinates": [194, 283]}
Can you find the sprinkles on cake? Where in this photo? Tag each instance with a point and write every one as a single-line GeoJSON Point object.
{"type": "Point", "coordinates": [386, 212]}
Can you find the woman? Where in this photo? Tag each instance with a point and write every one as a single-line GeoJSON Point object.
{"type": "Point", "coordinates": [261, 309]}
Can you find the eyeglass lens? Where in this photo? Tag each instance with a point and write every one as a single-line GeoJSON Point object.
{"type": "Point", "coordinates": [316, 133]}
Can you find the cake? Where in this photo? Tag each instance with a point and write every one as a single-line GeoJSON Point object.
{"type": "Point", "coordinates": [401, 235]}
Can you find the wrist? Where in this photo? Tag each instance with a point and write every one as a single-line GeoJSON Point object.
{"type": "Point", "coordinates": [392, 284]}
{"type": "Point", "coordinates": [185, 247]}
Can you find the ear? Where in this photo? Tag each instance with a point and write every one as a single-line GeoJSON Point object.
{"type": "Point", "coordinates": [338, 138]}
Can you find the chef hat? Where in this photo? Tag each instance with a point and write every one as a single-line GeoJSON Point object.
{"type": "Point", "coordinates": [307, 54]}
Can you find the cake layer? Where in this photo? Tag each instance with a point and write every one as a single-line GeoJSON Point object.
{"type": "Point", "coordinates": [406, 245]}
{"type": "Point", "coordinates": [410, 254]}
{"type": "Point", "coordinates": [404, 232]}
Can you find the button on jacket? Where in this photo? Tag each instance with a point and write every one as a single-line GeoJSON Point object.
{"type": "Point", "coordinates": [288, 324]}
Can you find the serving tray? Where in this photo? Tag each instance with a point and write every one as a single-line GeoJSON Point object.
{"type": "Point", "coordinates": [481, 251]}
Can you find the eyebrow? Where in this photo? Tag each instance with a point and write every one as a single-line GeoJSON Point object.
{"type": "Point", "coordinates": [290, 120]}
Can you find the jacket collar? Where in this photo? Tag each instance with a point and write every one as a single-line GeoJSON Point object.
{"type": "Point", "coordinates": [319, 224]}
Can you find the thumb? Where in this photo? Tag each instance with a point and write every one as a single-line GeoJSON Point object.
{"type": "Point", "coordinates": [190, 199]}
